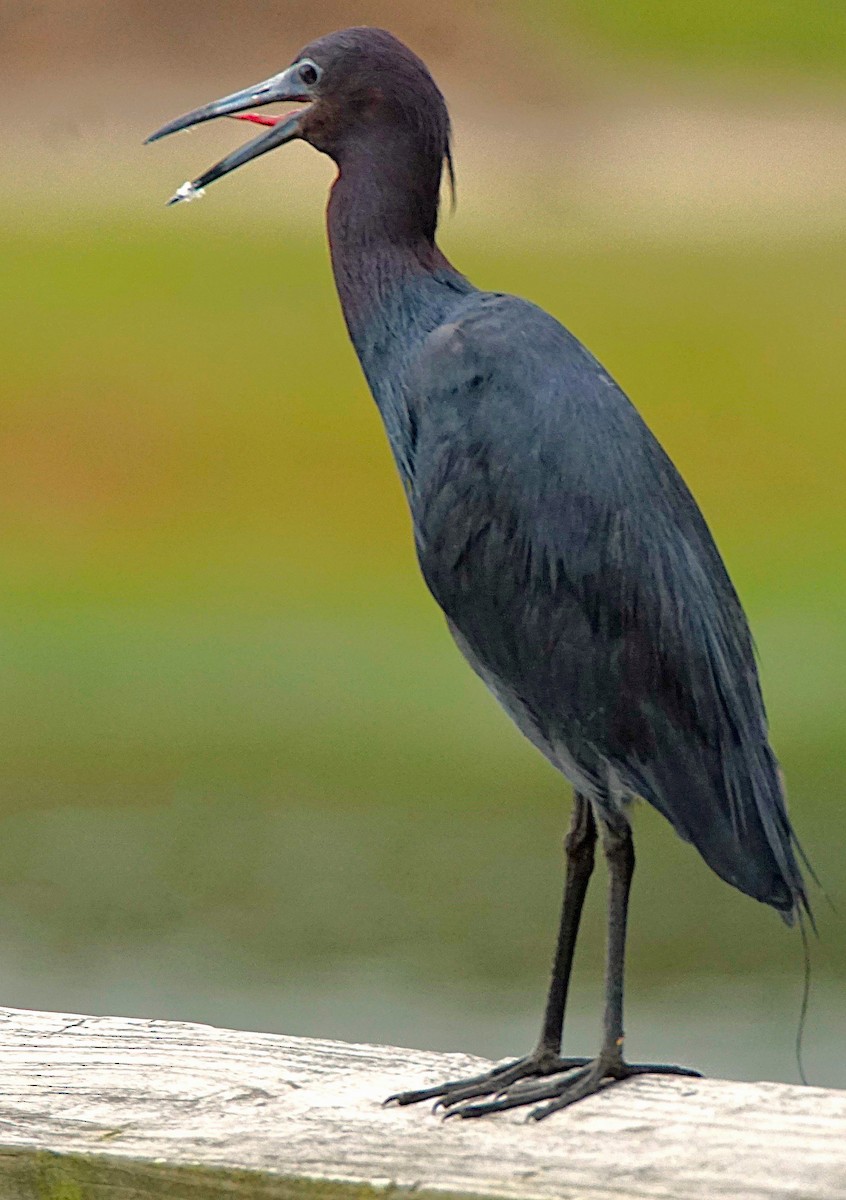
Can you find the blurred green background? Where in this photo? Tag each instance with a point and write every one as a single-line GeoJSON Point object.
{"type": "Point", "coordinates": [245, 776]}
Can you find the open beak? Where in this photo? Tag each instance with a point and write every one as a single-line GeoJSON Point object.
{"type": "Point", "coordinates": [285, 86]}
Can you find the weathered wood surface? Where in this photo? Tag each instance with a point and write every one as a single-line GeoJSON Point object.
{"type": "Point", "coordinates": [136, 1108]}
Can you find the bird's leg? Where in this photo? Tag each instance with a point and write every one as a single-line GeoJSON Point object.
{"type": "Point", "coordinates": [579, 846]}
{"type": "Point", "coordinates": [545, 1058]}
{"type": "Point", "coordinates": [609, 1066]}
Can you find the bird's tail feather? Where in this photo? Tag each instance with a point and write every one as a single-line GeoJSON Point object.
{"type": "Point", "coordinates": [730, 804]}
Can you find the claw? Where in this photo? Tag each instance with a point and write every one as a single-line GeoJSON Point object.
{"type": "Point", "coordinates": [559, 1081]}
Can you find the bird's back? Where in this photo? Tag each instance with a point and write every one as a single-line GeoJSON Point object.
{"type": "Point", "coordinates": [581, 581]}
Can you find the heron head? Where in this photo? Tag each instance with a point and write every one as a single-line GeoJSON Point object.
{"type": "Point", "coordinates": [363, 93]}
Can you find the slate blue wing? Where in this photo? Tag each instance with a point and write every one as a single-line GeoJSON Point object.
{"type": "Point", "coordinates": [582, 583]}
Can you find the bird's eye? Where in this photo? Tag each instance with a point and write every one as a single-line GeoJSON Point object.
{"type": "Point", "coordinates": [309, 74]}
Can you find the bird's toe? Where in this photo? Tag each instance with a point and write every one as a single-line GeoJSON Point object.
{"type": "Point", "coordinates": [497, 1082]}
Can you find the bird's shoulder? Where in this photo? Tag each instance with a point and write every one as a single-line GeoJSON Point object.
{"type": "Point", "coordinates": [506, 397]}
{"type": "Point", "coordinates": [496, 341]}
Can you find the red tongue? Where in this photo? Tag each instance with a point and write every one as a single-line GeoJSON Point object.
{"type": "Point", "coordinates": [256, 118]}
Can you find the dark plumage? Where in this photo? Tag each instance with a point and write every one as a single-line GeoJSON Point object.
{"type": "Point", "coordinates": [575, 570]}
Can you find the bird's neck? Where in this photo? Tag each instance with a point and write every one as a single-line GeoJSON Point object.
{"type": "Point", "coordinates": [381, 223]}
{"type": "Point", "coordinates": [394, 283]}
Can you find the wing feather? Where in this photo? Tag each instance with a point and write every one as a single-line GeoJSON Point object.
{"type": "Point", "coordinates": [584, 585]}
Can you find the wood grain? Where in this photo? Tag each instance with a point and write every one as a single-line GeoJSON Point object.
{"type": "Point", "coordinates": [110, 1107]}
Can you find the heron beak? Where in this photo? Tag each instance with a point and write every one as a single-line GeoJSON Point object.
{"type": "Point", "coordinates": [285, 86]}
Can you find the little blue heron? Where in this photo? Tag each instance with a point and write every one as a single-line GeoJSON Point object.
{"type": "Point", "coordinates": [576, 573]}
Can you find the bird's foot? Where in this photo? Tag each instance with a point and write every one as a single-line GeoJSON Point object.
{"type": "Point", "coordinates": [496, 1082]}
{"type": "Point", "coordinates": [584, 1078]}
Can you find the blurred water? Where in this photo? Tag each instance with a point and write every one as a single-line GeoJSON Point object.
{"type": "Point", "coordinates": [723, 1027]}
{"type": "Point", "coordinates": [249, 917]}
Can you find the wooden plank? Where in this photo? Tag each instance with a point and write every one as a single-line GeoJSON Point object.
{"type": "Point", "coordinates": [109, 1107]}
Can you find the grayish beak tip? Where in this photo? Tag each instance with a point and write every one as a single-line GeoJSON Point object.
{"type": "Point", "coordinates": [188, 191]}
